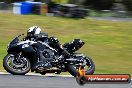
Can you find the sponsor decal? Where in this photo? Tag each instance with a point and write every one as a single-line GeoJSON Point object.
{"type": "Point", "coordinates": [82, 78]}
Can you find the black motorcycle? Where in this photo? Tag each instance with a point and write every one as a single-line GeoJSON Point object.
{"type": "Point", "coordinates": [21, 53]}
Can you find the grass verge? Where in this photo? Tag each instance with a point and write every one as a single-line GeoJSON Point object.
{"type": "Point", "coordinates": [108, 43]}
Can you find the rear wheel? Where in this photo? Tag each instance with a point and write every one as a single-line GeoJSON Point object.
{"type": "Point", "coordinates": [16, 66]}
{"type": "Point", "coordinates": [81, 80]}
{"type": "Point", "coordinates": [89, 67]}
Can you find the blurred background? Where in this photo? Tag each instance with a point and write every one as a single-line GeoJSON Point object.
{"type": "Point", "coordinates": [98, 8]}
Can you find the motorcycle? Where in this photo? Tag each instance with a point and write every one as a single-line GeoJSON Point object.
{"type": "Point", "coordinates": [21, 54]}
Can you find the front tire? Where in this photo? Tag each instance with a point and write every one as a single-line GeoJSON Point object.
{"type": "Point", "coordinates": [17, 69]}
{"type": "Point", "coordinates": [73, 71]}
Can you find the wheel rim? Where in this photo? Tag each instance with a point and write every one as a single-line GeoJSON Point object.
{"type": "Point", "coordinates": [91, 67]}
{"type": "Point", "coordinates": [20, 65]}
{"type": "Point", "coordinates": [87, 65]}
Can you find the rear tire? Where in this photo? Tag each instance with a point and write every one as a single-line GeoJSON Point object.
{"type": "Point", "coordinates": [73, 71]}
{"type": "Point", "coordinates": [11, 70]}
{"type": "Point", "coordinates": [81, 80]}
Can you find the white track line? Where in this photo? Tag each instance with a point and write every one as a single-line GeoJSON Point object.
{"type": "Point", "coordinates": [37, 74]}
{"type": "Point", "coordinates": [42, 75]}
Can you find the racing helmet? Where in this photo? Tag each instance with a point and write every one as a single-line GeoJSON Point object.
{"type": "Point", "coordinates": [32, 31]}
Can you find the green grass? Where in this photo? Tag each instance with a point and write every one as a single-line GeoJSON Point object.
{"type": "Point", "coordinates": [108, 43]}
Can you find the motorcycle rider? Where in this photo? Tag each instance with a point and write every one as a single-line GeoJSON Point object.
{"type": "Point", "coordinates": [34, 34]}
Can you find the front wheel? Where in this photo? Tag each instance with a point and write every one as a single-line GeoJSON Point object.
{"type": "Point", "coordinates": [16, 66]}
{"type": "Point", "coordinates": [89, 67]}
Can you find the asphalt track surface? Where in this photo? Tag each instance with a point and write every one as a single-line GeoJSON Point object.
{"type": "Point", "coordinates": [36, 81]}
